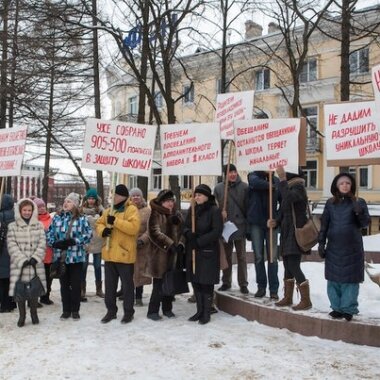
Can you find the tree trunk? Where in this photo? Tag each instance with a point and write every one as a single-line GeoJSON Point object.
{"type": "Point", "coordinates": [345, 52]}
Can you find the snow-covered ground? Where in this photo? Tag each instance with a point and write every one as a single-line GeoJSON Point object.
{"type": "Point", "coordinates": [226, 348]}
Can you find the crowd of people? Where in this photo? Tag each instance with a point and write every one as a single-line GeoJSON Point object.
{"type": "Point", "coordinates": [140, 243]}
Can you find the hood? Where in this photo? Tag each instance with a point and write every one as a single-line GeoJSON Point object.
{"type": "Point", "coordinates": [7, 202]}
{"type": "Point", "coordinates": [34, 217]}
{"type": "Point", "coordinates": [334, 189]}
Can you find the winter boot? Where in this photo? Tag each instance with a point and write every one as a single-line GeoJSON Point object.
{"type": "Point", "coordinates": [288, 293]}
{"type": "Point", "coordinates": [207, 302]}
{"type": "Point", "coordinates": [99, 291]}
{"type": "Point", "coordinates": [22, 311]}
{"type": "Point", "coordinates": [33, 311]}
{"type": "Point", "coordinates": [198, 300]}
{"type": "Point", "coordinates": [83, 292]}
{"type": "Point", "coordinates": [305, 303]}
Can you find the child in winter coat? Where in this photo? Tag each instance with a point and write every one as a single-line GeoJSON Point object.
{"type": "Point", "coordinates": [26, 247]}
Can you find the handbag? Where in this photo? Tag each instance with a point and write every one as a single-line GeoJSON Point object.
{"type": "Point", "coordinates": [306, 236]}
{"type": "Point", "coordinates": [174, 282]}
{"type": "Point", "coordinates": [28, 290]}
{"type": "Point", "coordinates": [58, 268]}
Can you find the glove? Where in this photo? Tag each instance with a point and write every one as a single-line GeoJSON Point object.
{"type": "Point", "coordinates": [106, 232]}
{"type": "Point", "coordinates": [193, 244]}
{"type": "Point", "coordinates": [357, 208]}
{"type": "Point", "coordinates": [140, 243]}
{"type": "Point", "coordinates": [110, 219]}
{"type": "Point", "coordinates": [321, 251]}
{"type": "Point", "coordinates": [25, 263]}
{"type": "Point", "coordinates": [190, 236]}
{"type": "Point", "coordinates": [60, 244]}
{"type": "Point", "coordinates": [33, 261]}
{"type": "Point", "coordinates": [70, 242]}
{"type": "Point", "coordinates": [175, 219]}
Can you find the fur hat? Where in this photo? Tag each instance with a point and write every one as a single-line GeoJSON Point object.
{"type": "Point", "coordinates": [91, 193]}
{"type": "Point", "coordinates": [122, 190]}
{"type": "Point", "coordinates": [165, 195]}
{"type": "Point", "coordinates": [203, 189]}
{"type": "Point", "coordinates": [75, 198]}
{"type": "Point", "coordinates": [39, 202]}
{"type": "Point", "coordinates": [135, 191]}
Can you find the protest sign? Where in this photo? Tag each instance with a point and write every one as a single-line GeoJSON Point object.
{"type": "Point", "coordinates": [191, 149]}
{"type": "Point", "coordinates": [376, 85]}
{"type": "Point", "coordinates": [352, 134]}
{"type": "Point", "coordinates": [264, 144]}
{"type": "Point", "coordinates": [12, 148]}
{"type": "Point", "coordinates": [232, 106]}
{"type": "Point", "coordinates": [118, 146]}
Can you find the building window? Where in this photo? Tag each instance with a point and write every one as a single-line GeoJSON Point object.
{"type": "Point", "coordinates": [157, 179]}
{"type": "Point", "coordinates": [309, 71]}
{"type": "Point", "coordinates": [311, 114]}
{"type": "Point", "coordinates": [359, 61]}
{"type": "Point", "coordinates": [185, 181]}
{"type": "Point", "coordinates": [132, 181]}
{"type": "Point", "coordinates": [188, 94]}
{"type": "Point", "coordinates": [311, 174]}
{"type": "Point", "coordinates": [158, 100]}
{"type": "Point", "coordinates": [219, 86]}
{"type": "Point", "coordinates": [132, 105]}
{"type": "Point", "coordinates": [262, 79]}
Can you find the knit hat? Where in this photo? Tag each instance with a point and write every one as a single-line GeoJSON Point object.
{"type": "Point", "coordinates": [75, 198]}
{"type": "Point", "coordinates": [203, 189]}
{"type": "Point", "coordinates": [135, 191]}
{"type": "Point", "coordinates": [39, 202]}
{"type": "Point", "coordinates": [290, 176]}
{"type": "Point", "coordinates": [122, 190]}
{"type": "Point", "coordinates": [91, 193]}
{"type": "Point", "coordinates": [165, 195]}
{"type": "Point", "coordinates": [231, 169]}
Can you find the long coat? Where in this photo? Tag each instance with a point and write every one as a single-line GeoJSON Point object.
{"type": "Point", "coordinates": [209, 228]}
{"type": "Point", "coordinates": [139, 276]}
{"type": "Point", "coordinates": [6, 216]}
{"type": "Point", "coordinates": [122, 242]}
{"type": "Point", "coordinates": [292, 193]}
{"type": "Point", "coordinates": [237, 202]}
{"type": "Point", "coordinates": [163, 233]}
{"type": "Point", "coordinates": [26, 241]}
{"type": "Point", "coordinates": [341, 227]}
{"type": "Point", "coordinates": [93, 214]}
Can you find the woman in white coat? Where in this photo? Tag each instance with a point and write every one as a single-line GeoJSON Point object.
{"type": "Point", "coordinates": [26, 246]}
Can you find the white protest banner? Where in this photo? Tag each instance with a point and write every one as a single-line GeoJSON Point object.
{"type": "Point", "coordinates": [191, 149]}
{"type": "Point", "coordinates": [233, 106]}
{"type": "Point", "coordinates": [376, 85]}
{"type": "Point", "coordinates": [12, 148]}
{"type": "Point", "coordinates": [352, 134]}
{"type": "Point", "coordinates": [264, 144]}
{"type": "Point", "coordinates": [118, 146]}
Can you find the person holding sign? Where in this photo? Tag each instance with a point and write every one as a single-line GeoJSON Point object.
{"type": "Point", "coordinates": [205, 242]}
{"type": "Point", "coordinates": [257, 216]}
{"type": "Point", "coordinates": [164, 228]}
{"type": "Point", "coordinates": [343, 218]}
{"type": "Point", "coordinates": [235, 212]}
{"type": "Point", "coordinates": [121, 224]}
{"type": "Point", "coordinates": [293, 195]}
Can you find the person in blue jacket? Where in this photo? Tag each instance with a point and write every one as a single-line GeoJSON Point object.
{"type": "Point", "coordinates": [341, 245]}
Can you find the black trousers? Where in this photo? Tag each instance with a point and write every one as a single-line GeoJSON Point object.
{"type": "Point", "coordinates": [70, 288]}
{"type": "Point", "coordinates": [112, 272]}
{"type": "Point", "coordinates": [139, 292]}
{"type": "Point", "coordinates": [5, 300]}
{"type": "Point", "coordinates": [49, 280]}
{"type": "Point", "coordinates": [292, 266]}
{"type": "Point", "coordinates": [157, 298]}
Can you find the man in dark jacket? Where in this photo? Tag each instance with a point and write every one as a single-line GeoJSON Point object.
{"type": "Point", "coordinates": [6, 216]}
{"type": "Point", "coordinates": [235, 211]}
{"type": "Point", "coordinates": [257, 216]}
